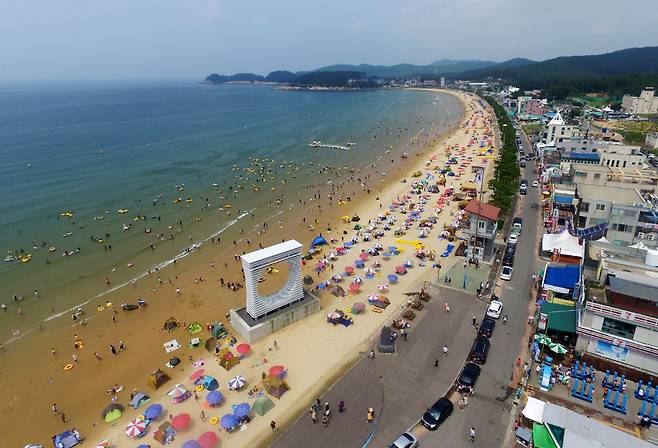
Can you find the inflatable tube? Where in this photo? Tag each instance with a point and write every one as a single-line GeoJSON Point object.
{"type": "Point", "coordinates": [68, 367]}
{"type": "Point", "coordinates": [199, 388]}
{"type": "Point", "coordinates": [214, 420]}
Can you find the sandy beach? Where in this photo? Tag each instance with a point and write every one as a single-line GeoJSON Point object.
{"type": "Point", "coordinates": [313, 352]}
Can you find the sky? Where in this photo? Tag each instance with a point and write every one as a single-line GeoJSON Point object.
{"type": "Point", "coordinates": [169, 39]}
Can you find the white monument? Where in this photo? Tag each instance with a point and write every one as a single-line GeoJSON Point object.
{"type": "Point", "coordinates": [265, 314]}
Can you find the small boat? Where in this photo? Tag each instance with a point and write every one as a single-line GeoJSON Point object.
{"type": "Point", "coordinates": [122, 210]}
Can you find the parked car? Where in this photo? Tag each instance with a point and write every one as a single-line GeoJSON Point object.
{"type": "Point", "coordinates": [508, 259]}
{"type": "Point", "coordinates": [535, 183]}
{"type": "Point", "coordinates": [437, 414]}
{"type": "Point", "coordinates": [517, 222]}
{"type": "Point", "coordinates": [506, 273]}
{"type": "Point", "coordinates": [406, 440]}
{"type": "Point", "coordinates": [510, 249]}
{"type": "Point", "coordinates": [468, 377]}
{"type": "Point", "coordinates": [487, 327]}
{"type": "Point", "coordinates": [513, 238]}
{"type": "Point", "coordinates": [495, 308]}
{"type": "Point", "coordinates": [480, 350]}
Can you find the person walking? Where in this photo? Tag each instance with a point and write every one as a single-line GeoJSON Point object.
{"type": "Point", "coordinates": [445, 351]}
{"type": "Point", "coordinates": [341, 406]}
{"type": "Point", "coordinates": [314, 416]}
{"type": "Point", "coordinates": [471, 435]}
{"type": "Point", "coordinates": [54, 408]}
{"type": "Point", "coordinates": [273, 425]}
{"type": "Point", "coordinates": [113, 349]}
{"type": "Point", "coordinates": [475, 321]}
{"type": "Point", "coordinates": [370, 416]}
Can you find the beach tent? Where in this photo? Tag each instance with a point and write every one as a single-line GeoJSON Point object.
{"type": "Point", "coordinates": [165, 433]}
{"type": "Point", "coordinates": [217, 330]}
{"type": "Point", "coordinates": [138, 399]}
{"type": "Point", "coordinates": [227, 359]}
{"type": "Point", "coordinates": [262, 405]}
{"type": "Point", "coordinates": [210, 344]}
{"type": "Point", "coordinates": [337, 291]}
{"type": "Point", "coordinates": [157, 379]}
{"type": "Point", "coordinates": [194, 328]}
{"type": "Point", "coordinates": [112, 412]}
{"type": "Point", "coordinates": [275, 386]}
{"type": "Point", "coordinates": [210, 383]}
{"type": "Point", "coordinates": [66, 439]}
{"type": "Point", "coordinates": [170, 324]}
{"type": "Point", "coordinates": [564, 244]}
{"type": "Point", "coordinates": [308, 280]}
{"type": "Point", "coordinates": [179, 393]}
{"type": "Point", "coordinates": [318, 241]}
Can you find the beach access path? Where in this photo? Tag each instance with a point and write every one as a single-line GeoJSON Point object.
{"type": "Point", "coordinates": [399, 386]}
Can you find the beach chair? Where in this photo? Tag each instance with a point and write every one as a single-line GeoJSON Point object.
{"type": "Point", "coordinates": [637, 391]}
{"type": "Point", "coordinates": [545, 380]}
{"type": "Point", "coordinates": [643, 409]}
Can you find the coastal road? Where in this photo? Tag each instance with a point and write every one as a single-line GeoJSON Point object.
{"type": "Point", "coordinates": [400, 386]}
{"type": "Point", "coordinates": [489, 410]}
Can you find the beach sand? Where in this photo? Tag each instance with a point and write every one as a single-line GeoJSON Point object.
{"type": "Point", "coordinates": [313, 360]}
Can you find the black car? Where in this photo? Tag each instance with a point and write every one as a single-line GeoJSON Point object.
{"type": "Point", "coordinates": [487, 327]}
{"type": "Point", "coordinates": [437, 414]}
{"type": "Point", "coordinates": [508, 259]}
{"type": "Point", "coordinates": [510, 248]}
{"type": "Point", "coordinates": [469, 376]}
{"type": "Point", "coordinates": [480, 350]}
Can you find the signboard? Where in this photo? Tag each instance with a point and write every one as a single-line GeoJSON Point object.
{"type": "Point", "coordinates": [543, 321]}
{"type": "Point", "coordinates": [611, 351]}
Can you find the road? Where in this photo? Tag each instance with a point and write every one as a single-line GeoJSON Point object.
{"type": "Point", "coordinates": [489, 410]}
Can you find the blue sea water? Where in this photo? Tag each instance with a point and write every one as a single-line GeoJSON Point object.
{"type": "Point", "coordinates": [95, 148]}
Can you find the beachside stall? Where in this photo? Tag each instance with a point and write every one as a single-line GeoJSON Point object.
{"type": "Point", "coordinates": [274, 385]}
{"type": "Point", "coordinates": [165, 433]}
{"type": "Point", "coordinates": [137, 399]}
{"type": "Point", "coordinates": [157, 378]}
{"type": "Point", "coordinates": [179, 393]}
{"type": "Point", "coordinates": [339, 317]}
{"type": "Point", "coordinates": [227, 359]}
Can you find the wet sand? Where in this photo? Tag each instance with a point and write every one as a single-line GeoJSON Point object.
{"type": "Point", "coordinates": [29, 393]}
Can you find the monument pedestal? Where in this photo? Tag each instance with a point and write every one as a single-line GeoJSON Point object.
{"type": "Point", "coordinates": [253, 330]}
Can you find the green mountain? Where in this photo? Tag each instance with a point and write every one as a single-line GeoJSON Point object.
{"type": "Point", "coordinates": [618, 72]}
{"type": "Point", "coordinates": [406, 70]}
{"type": "Point", "coordinates": [214, 78]}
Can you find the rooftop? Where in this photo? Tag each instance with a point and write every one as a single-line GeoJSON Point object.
{"type": "Point", "coordinates": [271, 251]}
{"type": "Point", "coordinates": [615, 195]}
{"type": "Point", "coordinates": [593, 156]}
{"type": "Point", "coordinates": [633, 285]}
{"type": "Point", "coordinates": [478, 208]}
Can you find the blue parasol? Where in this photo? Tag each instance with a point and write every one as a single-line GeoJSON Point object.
{"type": "Point", "coordinates": [242, 410]}
{"type": "Point", "coordinates": [214, 398]}
{"type": "Point", "coordinates": [191, 444]}
{"type": "Point", "coordinates": [153, 411]}
{"type": "Point", "coordinates": [228, 421]}
{"type": "Point", "coordinates": [392, 278]}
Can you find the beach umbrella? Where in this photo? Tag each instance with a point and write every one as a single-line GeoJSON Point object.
{"type": "Point", "coordinates": [237, 383]}
{"type": "Point", "coordinates": [197, 374]}
{"type": "Point", "coordinates": [400, 270]}
{"type": "Point", "coordinates": [191, 444]}
{"type": "Point", "coordinates": [354, 288]}
{"type": "Point", "coordinates": [383, 287]}
{"type": "Point", "coordinates": [243, 348]}
{"type": "Point", "coordinates": [349, 269]}
{"type": "Point", "coordinates": [214, 398]}
{"type": "Point", "coordinates": [321, 265]}
{"type": "Point", "coordinates": [357, 279]}
{"type": "Point", "coordinates": [208, 440]}
{"type": "Point", "coordinates": [347, 244]}
{"type": "Point", "coordinates": [276, 370]}
{"type": "Point", "coordinates": [376, 263]}
{"type": "Point", "coordinates": [392, 249]}
{"type": "Point", "coordinates": [101, 444]}
{"type": "Point", "coordinates": [337, 278]}
{"type": "Point", "coordinates": [136, 428]}
{"type": "Point", "coordinates": [181, 421]}
{"type": "Point", "coordinates": [154, 411]}
{"type": "Point", "coordinates": [198, 363]}
{"type": "Point", "coordinates": [242, 410]}
{"type": "Point", "coordinates": [386, 255]}
{"type": "Point", "coordinates": [558, 348]}
{"type": "Point", "coordinates": [543, 339]}
{"type": "Point", "coordinates": [228, 421]}
{"type": "Point", "coordinates": [392, 278]}
{"type": "Point", "coordinates": [358, 307]}
{"type": "Point", "coordinates": [359, 263]}
{"type": "Point", "coordinates": [364, 256]}
{"type": "Point", "coordinates": [178, 391]}
{"type": "Point", "coordinates": [407, 263]}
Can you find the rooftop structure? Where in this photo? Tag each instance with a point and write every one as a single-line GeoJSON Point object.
{"type": "Point", "coordinates": [646, 103]}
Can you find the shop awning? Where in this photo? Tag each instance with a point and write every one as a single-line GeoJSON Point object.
{"type": "Point", "coordinates": [560, 317]}
{"type": "Point", "coordinates": [562, 279]}
{"type": "Point", "coordinates": [534, 410]}
{"type": "Point", "coordinates": [541, 438]}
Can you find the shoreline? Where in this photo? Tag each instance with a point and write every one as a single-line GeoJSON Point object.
{"type": "Point", "coordinates": [208, 289]}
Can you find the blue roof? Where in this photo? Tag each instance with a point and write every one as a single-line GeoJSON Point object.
{"type": "Point", "coordinates": [563, 199]}
{"type": "Point", "coordinates": [583, 155]}
{"type": "Point", "coordinates": [562, 276]}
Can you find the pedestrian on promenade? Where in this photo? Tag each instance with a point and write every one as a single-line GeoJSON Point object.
{"type": "Point", "coordinates": [113, 349]}
{"type": "Point", "coordinates": [370, 416]}
{"type": "Point", "coordinates": [314, 416]}
{"type": "Point", "coordinates": [54, 408]}
{"type": "Point", "coordinates": [403, 333]}
{"type": "Point", "coordinates": [273, 425]}
{"type": "Point", "coordinates": [325, 420]}
{"type": "Point", "coordinates": [63, 416]}
{"type": "Point", "coordinates": [436, 362]}
{"type": "Point", "coordinates": [445, 351]}
{"type": "Point", "coordinates": [471, 435]}
{"type": "Point", "coordinates": [341, 406]}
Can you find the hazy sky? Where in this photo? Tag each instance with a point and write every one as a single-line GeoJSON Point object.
{"type": "Point", "coordinates": [139, 39]}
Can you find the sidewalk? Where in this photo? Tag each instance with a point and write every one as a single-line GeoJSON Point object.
{"type": "Point", "coordinates": [399, 387]}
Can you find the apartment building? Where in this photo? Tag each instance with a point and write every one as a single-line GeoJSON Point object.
{"type": "Point", "coordinates": [646, 103]}
{"type": "Point", "coordinates": [618, 314]}
{"type": "Point", "coordinates": [558, 128]}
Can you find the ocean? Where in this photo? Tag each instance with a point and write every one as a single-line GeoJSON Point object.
{"type": "Point", "coordinates": [101, 182]}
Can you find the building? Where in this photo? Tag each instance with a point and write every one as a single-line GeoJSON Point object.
{"type": "Point", "coordinates": [482, 227]}
{"type": "Point", "coordinates": [631, 216]}
{"type": "Point", "coordinates": [558, 128]}
{"type": "Point", "coordinates": [644, 180]}
{"type": "Point", "coordinates": [646, 103]}
{"type": "Point", "coordinates": [618, 318]}
{"type": "Point", "coordinates": [611, 154]}
{"type": "Point", "coordinates": [652, 140]}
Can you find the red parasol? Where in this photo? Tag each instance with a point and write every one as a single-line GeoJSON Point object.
{"type": "Point", "coordinates": [197, 374]}
{"type": "Point", "coordinates": [276, 370]}
{"type": "Point", "coordinates": [208, 440]}
{"type": "Point", "coordinates": [181, 421]}
{"type": "Point", "coordinates": [243, 348]}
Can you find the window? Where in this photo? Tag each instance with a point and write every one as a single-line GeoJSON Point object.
{"type": "Point", "coordinates": [624, 228]}
{"type": "Point", "coordinates": [597, 176]}
{"type": "Point", "coordinates": [618, 328]}
{"type": "Point", "coordinates": [584, 207]}
{"type": "Point", "coordinates": [630, 213]}
{"type": "Point", "coordinates": [624, 165]}
{"type": "Point", "coordinates": [482, 225]}
{"type": "Point", "coordinates": [600, 207]}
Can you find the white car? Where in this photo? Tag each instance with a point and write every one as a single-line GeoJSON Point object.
{"type": "Point", "coordinates": [406, 440]}
{"type": "Point", "coordinates": [495, 308]}
{"type": "Point", "coordinates": [506, 273]}
{"type": "Point", "coordinates": [535, 183]}
{"type": "Point", "coordinates": [513, 238]}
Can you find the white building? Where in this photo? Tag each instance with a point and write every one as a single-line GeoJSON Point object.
{"type": "Point", "coordinates": [646, 103]}
{"type": "Point", "coordinates": [558, 128]}
{"type": "Point", "coordinates": [652, 140]}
